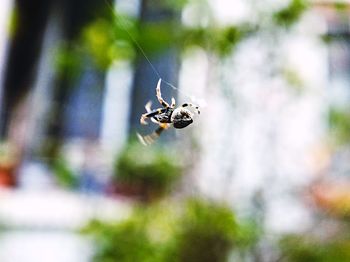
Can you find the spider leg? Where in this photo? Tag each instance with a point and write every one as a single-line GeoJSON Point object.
{"type": "Point", "coordinates": [151, 114]}
{"type": "Point", "coordinates": [159, 95]}
{"type": "Point", "coordinates": [148, 106]}
{"type": "Point", "coordinates": [173, 103]}
{"type": "Point", "coordinates": [149, 110]}
{"type": "Point", "coordinates": [193, 106]}
{"type": "Point", "coordinates": [149, 139]}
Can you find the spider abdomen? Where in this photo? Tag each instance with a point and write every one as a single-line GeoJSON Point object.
{"type": "Point", "coordinates": [181, 118]}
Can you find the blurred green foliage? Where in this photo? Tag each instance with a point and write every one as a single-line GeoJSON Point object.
{"type": "Point", "coordinates": [340, 6]}
{"type": "Point", "coordinates": [297, 248]}
{"type": "Point", "coordinates": [144, 236]}
{"type": "Point", "coordinates": [12, 25]}
{"type": "Point", "coordinates": [125, 241]}
{"type": "Point", "coordinates": [219, 41]}
{"type": "Point", "coordinates": [291, 13]}
{"type": "Point", "coordinates": [339, 120]}
{"type": "Point", "coordinates": [103, 45]}
{"type": "Point", "coordinates": [157, 37]}
{"type": "Point", "coordinates": [64, 174]}
{"type": "Point", "coordinates": [176, 4]}
{"type": "Point", "coordinates": [119, 37]}
{"type": "Point", "coordinates": [100, 41]}
{"type": "Point", "coordinates": [153, 171]}
{"type": "Point", "coordinates": [68, 61]}
{"type": "Point", "coordinates": [207, 232]}
{"type": "Point", "coordinates": [197, 230]}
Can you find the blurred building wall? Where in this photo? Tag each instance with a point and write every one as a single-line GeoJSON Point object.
{"type": "Point", "coordinates": [24, 48]}
{"type": "Point", "coordinates": [38, 101]}
{"type": "Point", "coordinates": [79, 98]}
{"type": "Point", "coordinates": [5, 10]}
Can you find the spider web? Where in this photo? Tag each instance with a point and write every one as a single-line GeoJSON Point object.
{"type": "Point", "coordinates": [120, 19]}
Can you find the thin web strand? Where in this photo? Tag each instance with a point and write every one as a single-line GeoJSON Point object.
{"type": "Point", "coordinates": [124, 27]}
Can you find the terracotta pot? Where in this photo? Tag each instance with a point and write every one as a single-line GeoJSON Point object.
{"type": "Point", "coordinates": [7, 176]}
{"type": "Point", "coordinates": [137, 191]}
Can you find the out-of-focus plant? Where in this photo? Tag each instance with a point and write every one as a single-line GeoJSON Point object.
{"type": "Point", "coordinates": [219, 41]}
{"type": "Point", "coordinates": [68, 61]}
{"type": "Point", "coordinates": [64, 174]}
{"type": "Point", "coordinates": [296, 248]}
{"type": "Point", "coordinates": [207, 232]}
{"type": "Point", "coordinates": [125, 241]}
{"type": "Point", "coordinates": [12, 25]}
{"type": "Point", "coordinates": [147, 172]}
{"type": "Point", "coordinates": [9, 160]}
{"type": "Point", "coordinates": [145, 236]}
{"type": "Point", "coordinates": [119, 37]}
{"type": "Point", "coordinates": [101, 41]}
{"type": "Point", "coordinates": [178, 4]}
{"type": "Point", "coordinates": [291, 13]}
{"type": "Point", "coordinates": [107, 43]}
{"type": "Point", "coordinates": [197, 230]}
{"type": "Point", "coordinates": [339, 125]}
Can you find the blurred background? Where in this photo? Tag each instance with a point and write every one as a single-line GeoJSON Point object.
{"type": "Point", "coordinates": [263, 173]}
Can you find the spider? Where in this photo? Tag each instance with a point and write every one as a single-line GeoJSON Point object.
{"type": "Point", "coordinates": [179, 117]}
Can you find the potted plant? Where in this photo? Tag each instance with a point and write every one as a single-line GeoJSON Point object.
{"type": "Point", "coordinates": [9, 160]}
{"type": "Point", "coordinates": [146, 172]}
{"type": "Point", "coordinates": [194, 230]}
